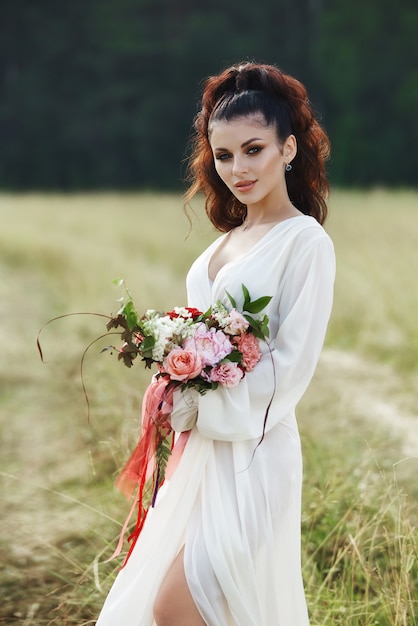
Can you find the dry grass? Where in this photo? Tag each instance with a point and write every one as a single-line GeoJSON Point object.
{"type": "Point", "coordinates": [376, 239]}
{"type": "Point", "coordinates": [60, 514]}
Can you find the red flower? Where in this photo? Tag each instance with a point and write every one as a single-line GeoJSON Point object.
{"type": "Point", "coordinates": [194, 313]}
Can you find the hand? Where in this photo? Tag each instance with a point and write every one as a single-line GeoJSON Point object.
{"type": "Point", "coordinates": [185, 406]}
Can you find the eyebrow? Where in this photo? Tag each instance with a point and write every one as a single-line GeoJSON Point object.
{"type": "Point", "coordinates": [243, 145]}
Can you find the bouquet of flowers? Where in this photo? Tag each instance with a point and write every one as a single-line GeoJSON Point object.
{"type": "Point", "coordinates": [192, 348]}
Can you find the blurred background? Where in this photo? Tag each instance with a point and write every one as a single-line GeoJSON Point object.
{"type": "Point", "coordinates": [101, 94]}
{"type": "Point", "coordinates": [97, 100]}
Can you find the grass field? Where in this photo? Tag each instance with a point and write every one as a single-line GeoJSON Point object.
{"type": "Point", "coordinates": [60, 514]}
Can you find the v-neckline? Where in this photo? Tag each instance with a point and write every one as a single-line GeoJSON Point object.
{"type": "Point", "coordinates": [247, 253]}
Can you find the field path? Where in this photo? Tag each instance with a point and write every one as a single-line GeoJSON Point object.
{"type": "Point", "coordinates": [366, 390]}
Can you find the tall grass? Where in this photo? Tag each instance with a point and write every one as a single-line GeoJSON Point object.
{"type": "Point", "coordinates": [60, 515]}
{"type": "Point", "coordinates": [376, 239]}
{"type": "Point", "coordinates": [359, 524]}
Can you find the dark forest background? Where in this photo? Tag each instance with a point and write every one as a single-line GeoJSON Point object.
{"type": "Point", "coordinates": [100, 94]}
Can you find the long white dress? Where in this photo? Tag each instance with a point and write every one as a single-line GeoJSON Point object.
{"type": "Point", "coordinates": [234, 506]}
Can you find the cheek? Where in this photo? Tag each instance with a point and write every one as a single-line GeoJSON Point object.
{"type": "Point", "coordinates": [272, 167]}
{"type": "Point", "coordinates": [221, 170]}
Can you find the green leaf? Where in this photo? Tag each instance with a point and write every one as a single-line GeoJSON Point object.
{"type": "Point", "coordinates": [206, 315]}
{"type": "Point", "coordinates": [147, 345]}
{"type": "Point", "coordinates": [257, 305]}
{"type": "Point", "coordinates": [162, 455]}
{"type": "Point", "coordinates": [259, 327]}
{"type": "Point", "coordinates": [231, 299]}
{"type": "Point", "coordinates": [118, 282]}
{"type": "Point", "coordinates": [254, 326]}
{"type": "Point", "coordinates": [264, 326]}
{"type": "Point", "coordinates": [247, 298]}
{"type": "Point", "coordinates": [233, 357]}
{"type": "Point", "coordinates": [131, 315]}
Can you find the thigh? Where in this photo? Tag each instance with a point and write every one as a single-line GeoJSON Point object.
{"type": "Point", "coordinates": [174, 605]}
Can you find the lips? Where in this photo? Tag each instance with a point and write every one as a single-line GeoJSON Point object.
{"type": "Point", "coordinates": [245, 185]}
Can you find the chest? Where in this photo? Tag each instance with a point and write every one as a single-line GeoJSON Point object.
{"type": "Point", "coordinates": [234, 246]}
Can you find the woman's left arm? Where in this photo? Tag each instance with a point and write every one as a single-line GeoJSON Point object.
{"type": "Point", "coordinates": [284, 372]}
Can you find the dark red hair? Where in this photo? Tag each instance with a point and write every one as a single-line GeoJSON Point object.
{"type": "Point", "coordinates": [248, 89]}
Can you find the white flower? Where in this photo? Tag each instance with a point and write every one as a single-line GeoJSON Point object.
{"type": "Point", "coordinates": [168, 333]}
{"type": "Point", "coordinates": [220, 314]}
{"type": "Point", "coordinates": [182, 311]}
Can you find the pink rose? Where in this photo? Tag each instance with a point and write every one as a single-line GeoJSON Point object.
{"type": "Point", "coordinates": [182, 364]}
{"type": "Point", "coordinates": [237, 323]}
{"type": "Point", "coordinates": [212, 345]}
{"type": "Point", "coordinates": [227, 374]}
{"type": "Point", "coordinates": [248, 345]}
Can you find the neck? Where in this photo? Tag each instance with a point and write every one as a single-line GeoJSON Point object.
{"type": "Point", "coordinates": [254, 219]}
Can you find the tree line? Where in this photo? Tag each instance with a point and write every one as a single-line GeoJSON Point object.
{"type": "Point", "coordinates": [102, 94]}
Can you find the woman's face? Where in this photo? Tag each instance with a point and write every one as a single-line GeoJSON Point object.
{"type": "Point", "coordinates": [250, 159]}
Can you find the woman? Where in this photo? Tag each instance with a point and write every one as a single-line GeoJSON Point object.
{"type": "Point", "coordinates": [222, 546]}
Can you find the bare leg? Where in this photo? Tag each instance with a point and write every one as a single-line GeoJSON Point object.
{"type": "Point", "coordinates": [174, 605]}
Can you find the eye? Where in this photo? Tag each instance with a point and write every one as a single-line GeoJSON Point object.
{"type": "Point", "coordinates": [254, 150]}
{"type": "Point", "coordinates": [222, 156]}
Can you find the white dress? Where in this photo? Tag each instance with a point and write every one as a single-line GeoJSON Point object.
{"type": "Point", "coordinates": [234, 506]}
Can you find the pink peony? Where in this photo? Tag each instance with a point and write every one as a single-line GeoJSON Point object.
{"type": "Point", "coordinates": [182, 364]}
{"type": "Point", "coordinates": [227, 374]}
{"type": "Point", "coordinates": [237, 324]}
{"type": "Point", "coordinates": [212, 345]}
{"type": "Point", "coordinates": [249, 347]}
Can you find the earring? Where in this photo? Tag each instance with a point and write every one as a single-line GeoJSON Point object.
{"type": "Point", "coordinates": [288, 167]}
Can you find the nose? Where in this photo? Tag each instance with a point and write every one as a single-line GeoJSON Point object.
{"type": "Point", "coordinates": [239, 165]}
